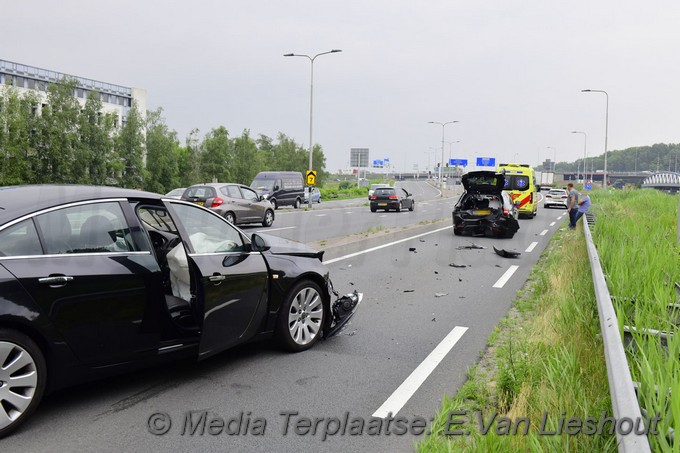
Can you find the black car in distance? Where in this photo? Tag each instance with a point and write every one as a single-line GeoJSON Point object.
{"type": "Point", "coordinates": [484, 208]}
{"type": "Point", "coordinates": [391, 198]}
{"type": "Point", "coordinates": [96, 281]}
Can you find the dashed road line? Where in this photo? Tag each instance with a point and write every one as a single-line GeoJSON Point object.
{"type": "Point", "coordinates": [505, 277]}
{"type": "Point", "coordinates": [543, 233]}
{"type": "Point", "coordinates": [531, 247]}
{"type": "Point", "coordinates": [552, 224]}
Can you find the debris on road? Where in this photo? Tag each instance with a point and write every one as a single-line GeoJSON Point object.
{"type": "Point", "coordinates": [409, 290]}
{"type": "Point", "coordinates": [472, 246]}
{"type": "Point", "coordinates": [457, 265]}
{"type": "Point", "coordinates": [440, 294]}
{"type": "Point", "coordinates": [506, 253]}
{"type": "Point", "coordinates": [411, 249]}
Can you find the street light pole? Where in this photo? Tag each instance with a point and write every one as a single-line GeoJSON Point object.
{"type": "Point", "coordinates": [606, 131]}
{"type": "Point", "coordinates": [311, 106]}
{"type": "Point", "coordinates": [442, 161]}
{"type": "Point", "coordinates": [585, 139]}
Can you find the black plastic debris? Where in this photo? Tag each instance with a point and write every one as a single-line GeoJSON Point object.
{"type": "Point", "coordinates": [422, 240]}
{"type": "Point", "coordinates": [472, 246]}
{"type": "Point", "coordinates": [409, 290]}
{"type": "Point", "coordinates": [411, 249]}
{"type": "Point", "coordinates": [457, 265]}
{"type": "Point", "coordinates": [506, 253]}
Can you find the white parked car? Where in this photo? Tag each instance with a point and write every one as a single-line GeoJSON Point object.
{"type": "Point", "coordinates": [556, 197]}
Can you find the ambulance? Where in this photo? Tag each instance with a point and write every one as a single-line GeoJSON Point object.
{"type": "Point", "coordinates": [520, 183]}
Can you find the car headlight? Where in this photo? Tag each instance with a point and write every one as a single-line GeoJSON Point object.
{"type": "Point", "coordinates": [265, 196]}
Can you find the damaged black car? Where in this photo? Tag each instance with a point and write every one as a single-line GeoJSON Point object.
{"type": "Point", "coordinates": [484, 208]}
{"type": "Point", "coordinates": [97, 281]}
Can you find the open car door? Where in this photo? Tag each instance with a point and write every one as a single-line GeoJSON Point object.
{"type": "Point", "coordinates": [229, 280]}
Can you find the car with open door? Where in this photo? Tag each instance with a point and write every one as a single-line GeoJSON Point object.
{"type": "Point", "coordinates": [96, 281]}
{"type": "Point", "coordinates": [484, 208]}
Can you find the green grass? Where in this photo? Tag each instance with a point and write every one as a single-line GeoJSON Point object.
{"type": "Point", "coordinates": [334, 193]}
{"type": "Point", "coordinates": [635, 234]}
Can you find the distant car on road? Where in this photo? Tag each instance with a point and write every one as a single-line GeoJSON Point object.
{"type": "Point", "coordinates": [316, 195]}
{"type": "Point", "coordinates": [556, 197]}
{"type": "Point", "coordinates": [237, 203]}
{"type": "Point", "coordinates": [391, 198]}
{"type": "Point", "coordinates": [485, 209]}
{"type": "Point", "coordinates": [281, 188]}
{"type": "Point", "coordinates": [371, 190]}
{"type": "Point", "coordinates": [176, 193]}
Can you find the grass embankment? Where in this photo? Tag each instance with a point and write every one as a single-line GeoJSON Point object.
{"type": "Point", "coordinates": [545, 359]}
{"type": "Point", "coordinates": [345, 190]}
{"type": "Point", "coordinates": [635, 234]}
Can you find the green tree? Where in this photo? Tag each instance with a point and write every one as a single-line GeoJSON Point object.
{"type": "Point", "coordinates": [130, 150]}
{"type": "Point", "coordinates": [18, 117]}
{"type": "Point", "coordinates": [57, 135]}
{"type": "Point", "coordinates": [95, 155]}
{"type": "Point", "coordinates": [216, 154]}
{"type": "Point", "coordinates": [247, 160]}
{"type": "Point", "coordinates": [162, 154]}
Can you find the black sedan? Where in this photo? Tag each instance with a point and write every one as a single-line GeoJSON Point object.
{"type": "Point", "coordinates": [97, 281]}
{"type": "Point", "coordinates": [484, 208]}
{"type": "Point", "coordinates": [391, 198]}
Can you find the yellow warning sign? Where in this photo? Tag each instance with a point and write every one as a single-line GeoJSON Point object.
{"type": "Point", "coordinates": [311, 178]}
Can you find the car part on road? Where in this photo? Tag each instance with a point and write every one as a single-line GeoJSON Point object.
{"type": "Point", "coordinates": [343, 309]}
{"type": "Point", "coordinates": [472, 246]}
{"type": "Point", "coordinates": [506, 253]}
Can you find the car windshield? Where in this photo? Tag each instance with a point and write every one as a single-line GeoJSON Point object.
{"type": "Point", "coordinates": [263, 184]}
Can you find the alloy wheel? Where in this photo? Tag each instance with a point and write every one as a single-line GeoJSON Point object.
{"type": "Point", "coordinates": [305, 316]}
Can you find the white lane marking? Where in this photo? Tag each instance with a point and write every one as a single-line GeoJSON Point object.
{"type": "Point", "coordinates": [384, 215]}
{"type": "Point", "coordinates": [552, 224]}
{"type": "Point", "coordinates": [373, 249]}
{"type": "Point", "coordinates": [321, 215]}
{"type": "Point", "coordinates": [348, 212]}
{"type": "Point", "coordinates": [505, 277]}
{"type": "Point", "coordinates": [543, 233]}
{"type": "Point", "coordinates": [405, 391]}
{"type": "Point", "coordinates": [531, 247]}
{"type": "Point", "coordinates": [275, 229]}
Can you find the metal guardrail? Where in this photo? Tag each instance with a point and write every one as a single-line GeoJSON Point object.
{"type": "Point", "coordinates": [621, 387]}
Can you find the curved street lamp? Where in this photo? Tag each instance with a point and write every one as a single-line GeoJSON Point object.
{"type": "Point", "coordinates": [442, 161]}
{"type": "Point", "coordinates": [311, 105]}
{"type": "Point", "coordinates": [606, 130]}
{"type": "Point", "coordinates": [585, 154]}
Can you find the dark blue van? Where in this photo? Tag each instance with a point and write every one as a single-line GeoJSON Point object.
{"type": "Point", "coordinates": [281, 188]}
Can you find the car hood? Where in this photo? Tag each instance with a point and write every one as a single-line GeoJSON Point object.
{"type": "Point", "coordinates": [486, 182]}
{"type": "Point", "coordinates": [281, 246]}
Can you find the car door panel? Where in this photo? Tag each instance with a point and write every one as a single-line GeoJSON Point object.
{"type": "Point", "coordinates": [232, 281]}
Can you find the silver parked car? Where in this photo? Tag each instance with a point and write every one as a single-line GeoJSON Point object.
{"type": "Point", "coordinates": [237, 203]}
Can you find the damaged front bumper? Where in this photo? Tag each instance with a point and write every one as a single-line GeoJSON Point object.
{"type": "Point", "coordinates": [342, 310]}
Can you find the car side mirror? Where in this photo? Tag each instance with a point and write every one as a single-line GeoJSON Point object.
{"type": "Point", "coordinates": [260, 198]}
{"type": "Point", "coordinates": [258, 243]}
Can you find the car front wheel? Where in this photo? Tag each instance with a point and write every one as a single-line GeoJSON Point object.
{"type": "Point", "coordinates": [297, 203]}
{"type": "Point", "coordinates": [301, 317]}
{"type": "Point", "coordinates": [413, 206]}
{"type": "Point", "coordinates": [229, 216]}
{"type": "Point", "coordinates": [268, 218]}
{"type": "Point", "coordinates": [23, 374]}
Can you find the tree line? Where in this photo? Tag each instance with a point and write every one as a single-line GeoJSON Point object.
{"type": "Point", "coordinates": [65, 142]}
{"type": "Point", "coordinates": [657, 157]}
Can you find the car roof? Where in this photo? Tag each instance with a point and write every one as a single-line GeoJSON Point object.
{"type": "Point", "coordinates": [17, 201]}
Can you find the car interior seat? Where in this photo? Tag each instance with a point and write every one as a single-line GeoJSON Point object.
{"type": "Point", "coordinates": [98, 233]}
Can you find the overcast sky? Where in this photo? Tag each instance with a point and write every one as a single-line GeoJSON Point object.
{"type": "Point", "coordinates": [510, 72]}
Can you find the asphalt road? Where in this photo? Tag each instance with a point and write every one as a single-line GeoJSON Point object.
{"type": "Point", "coordinates": [415, 303]}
